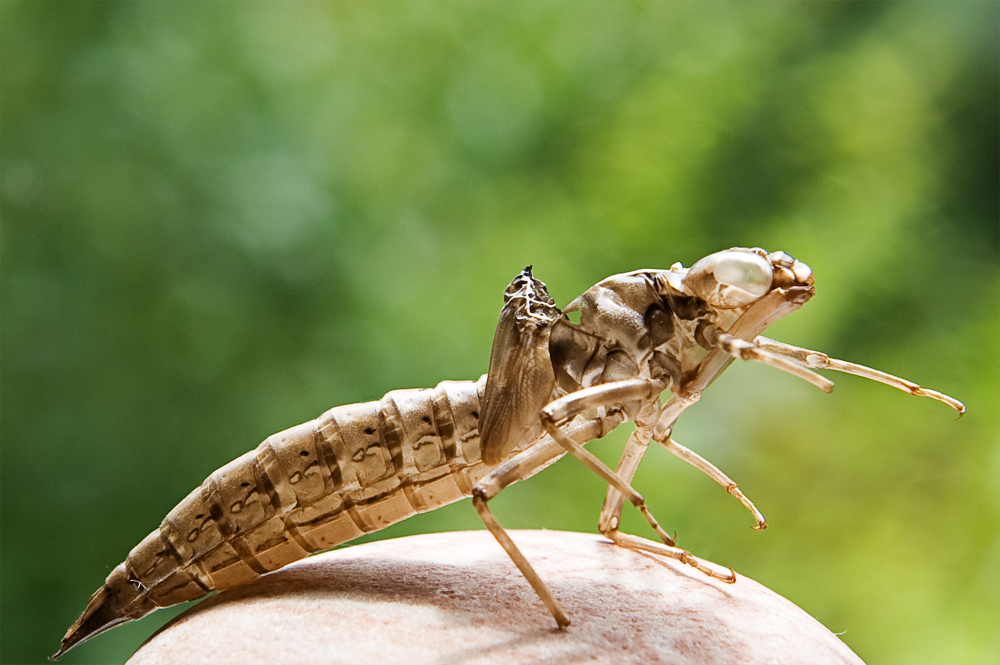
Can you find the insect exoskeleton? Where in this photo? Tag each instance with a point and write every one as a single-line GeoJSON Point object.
{"type": "Point", "coordinates": [552, 386]}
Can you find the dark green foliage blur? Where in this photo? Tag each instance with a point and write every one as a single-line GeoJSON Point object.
{"type": "Point", "coordinates": [221, 219]}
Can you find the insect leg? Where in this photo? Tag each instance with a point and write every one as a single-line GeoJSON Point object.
{"type": "Point", "coordinates": [612, 394]}
{"type": "Point", "coordinates": [744, 350]}
{"type": "Point", "coordinates": [636, 447]}
{"type": "Point", "coordinates": [818, 360]}
{"type": "Point", "coordinates": [518, 467]}
{"type": "Point", "coordinates": [614, 501]}
{"type": "Point", "coordinates": [727, 575]}
{"type": "Point", "coordinates": [611, 515]}
{"type": "Point", "coordinates": [632, 455]}
{"type": "Point", "coordinates": [713, 472]}
{"type": "Point", "coordinates": [605, 394]}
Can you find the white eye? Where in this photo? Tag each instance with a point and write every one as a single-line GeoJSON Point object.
{"type": "Point", "coordinates": [733, 278]}
{"type": "Point", "coordinates": [749, 272]}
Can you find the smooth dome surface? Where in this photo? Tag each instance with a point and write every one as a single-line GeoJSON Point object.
{"type": "Point", "coordinates": [457, 598]}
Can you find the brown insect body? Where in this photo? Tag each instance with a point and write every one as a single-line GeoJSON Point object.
{"type": "Point", "coordinates": [355, 469]}
{"type": "Point", "coordinates": [552, 386]}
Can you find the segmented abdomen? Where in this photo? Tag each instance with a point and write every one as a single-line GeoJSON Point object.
{"type": "Point", "coordinates": [355, 469]}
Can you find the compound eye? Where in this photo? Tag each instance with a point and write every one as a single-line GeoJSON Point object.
{"type": "Point", "coordinates": [733, 278]}
{"type": "Point", "coordinates": [748, 272]}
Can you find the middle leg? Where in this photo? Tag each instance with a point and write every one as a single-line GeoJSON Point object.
{"type": "Point", "coordinates": [612, 395]}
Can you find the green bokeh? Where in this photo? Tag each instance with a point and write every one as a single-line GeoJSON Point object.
{"type": "Point", "coordinates": [220, 219]}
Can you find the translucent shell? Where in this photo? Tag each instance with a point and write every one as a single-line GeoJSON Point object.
{"type": "Point", "coordinates": [729, 279]}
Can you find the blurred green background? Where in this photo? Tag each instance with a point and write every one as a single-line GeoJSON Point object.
{"type": "Point", "coordinates": [220, 219]}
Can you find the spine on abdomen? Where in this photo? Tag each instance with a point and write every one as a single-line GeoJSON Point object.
{"type": "Point", "coordinates": [357, 468]}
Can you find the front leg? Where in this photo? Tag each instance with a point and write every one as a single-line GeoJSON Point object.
{"type": "Point", "coordinates": [744, 350]}
{"type": "Point", "coordinates": [818, 360]}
